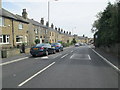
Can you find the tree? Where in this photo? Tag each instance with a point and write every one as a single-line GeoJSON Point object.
{"type": "Point", "coordinates": [74, 41]}
{"type": "Point", "coordinates": [106, 25]}
{"type": "Point", "coordinates": [37, 41]}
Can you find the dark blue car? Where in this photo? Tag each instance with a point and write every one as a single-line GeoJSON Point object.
{"type": "Point", "coordinates": [58, 46]}
{"type": "Point", "coordinates": [42, 49]}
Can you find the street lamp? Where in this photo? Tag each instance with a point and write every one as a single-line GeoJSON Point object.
{"type": "Point", "coordinates": [48, 19]}
{"type": "Point", "coordinates": [73, 29]}
{"type": "Point", "coordinates": [49, 10]}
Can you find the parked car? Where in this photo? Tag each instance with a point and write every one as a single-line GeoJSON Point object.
{"type": "Point", "coordinates": [42, 49]}
{"type": "Point", "coordinates": [58, 46]}
{"type": "Point", "coordinates": [77, 45]}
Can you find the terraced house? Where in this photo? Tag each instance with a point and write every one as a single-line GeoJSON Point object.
{"type": "Point", "coordinates": [13, 29]}
{"type": "Point", "coordinates": [16, 29]}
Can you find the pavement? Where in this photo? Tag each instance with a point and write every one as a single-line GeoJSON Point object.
{"type": "Point", "coordinates": [75, 67]}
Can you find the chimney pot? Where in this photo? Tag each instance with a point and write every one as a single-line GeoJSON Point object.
{"type": "Point", "coordinates": [42, 21]}
{"type": "Point", "coordinates": [24, 14]}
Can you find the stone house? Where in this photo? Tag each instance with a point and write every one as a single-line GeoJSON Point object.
{"type": "Point", "coordinates": [13, 29]}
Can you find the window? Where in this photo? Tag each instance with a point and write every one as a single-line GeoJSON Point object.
{"type": "Point", "coordinates": [2, 21]}
{"type": "Point", "coordinates": [40, 36]}
{"type": "Point", "coordinates": [4, 39]}
{"type": "Point", "coordinates": [19, 39]}
{"type": "Point", "coordinates": [20, 26]}
{"type": "Point", "coordinates": [36, 37]}
{"type": "Point", "coordinates": [46, 31]}
{"type": "Point", "coordinates": [52, 34]}
{"type": "Point", "coordinates": [36, 31]}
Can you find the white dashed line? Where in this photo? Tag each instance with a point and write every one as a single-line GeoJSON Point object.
{"type": "Point", "coordinates": [71, 51]}
{"type": "Point", "coordinates": [56, 56]}
{"type": "Point", "coordinates": [115, 67]}
{"type": "Point", "coordinates": [21, 84]}
{"type": "Point", "coordinates": [64, 56]}
{"type": "Point", "coordinates": [72, 56]}
{"type": "Point", "coordinates": [13, 61]}
{"type": "Point", "coordinates": [89, 57]}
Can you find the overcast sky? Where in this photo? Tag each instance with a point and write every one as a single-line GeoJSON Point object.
{"type": "Point", "coordinates": [76, 16]}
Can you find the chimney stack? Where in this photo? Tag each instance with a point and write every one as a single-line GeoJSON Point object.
{"type": "Point", "coordinates": [42, 21]}
{"type": "Point", "coordinates": [52, 26]}
{"type": "Point", "coordinates": [24, 14]}
{"type": "Point", "coordinates": [70, 33]}
{"type": "Point", "coordinates": [67, 32]}
{"type": "Point", "coordinates": [59, 29]}
{"type": "Point", "coordinates": [47, 24]}
{"type": "Point", "coordinates": [56, 28]}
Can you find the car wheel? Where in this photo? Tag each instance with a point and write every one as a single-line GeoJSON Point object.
{"type": "Point", "coordinates": [34, 55]}
{"type": "Point", "coordinates": [46, 53]}
{"type": "Point", "coordinates": [54, 51]}
{"type": "Point", "coordinates": [58, 50]}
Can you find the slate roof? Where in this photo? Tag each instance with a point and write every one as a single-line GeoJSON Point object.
{"type": "Point", "coordinates": [34, 22]}
{"type": "Point", "coordinates": [7, 14]}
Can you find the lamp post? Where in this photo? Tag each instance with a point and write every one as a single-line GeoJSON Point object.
{"type": "Point", "coordinates": [48, 19]}
{"type": "Point", "coordinates": [73, 29]}
{"type": "Point", "coordinates": [49, 10]}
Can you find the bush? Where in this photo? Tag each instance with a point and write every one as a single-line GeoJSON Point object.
{"type": "Point", "coordinates": [37, 41]}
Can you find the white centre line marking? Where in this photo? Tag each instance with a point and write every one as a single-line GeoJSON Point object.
{"type": "Point", "coordinates": [21, 84]}
{"type": "Point", "coordinates": [64, 56]}
{"type": "Point", "coordinates": [57, 56]}
{"type": "Point", "coordinates": [89, 57]}
{"type": "Point", "coordinates": [72, 56]}
{"type": "Point", "coordinates": [115, 67]}
{"type": "Point", "coordinates": [13, 61]}
{"type": "Point", "coordinates": [44, 57]}
{"type": "Point", "coordinates": [72, 51]}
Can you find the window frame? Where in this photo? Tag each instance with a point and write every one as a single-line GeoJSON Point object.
{"type": "Point", "coordinates": [7, 39]}
{"type": "Point", "coordinates": [20, 37]}
{"type": "Point", "coordinates": [2, 19]}
{"type": "Point", "coordinates": [20, 26]}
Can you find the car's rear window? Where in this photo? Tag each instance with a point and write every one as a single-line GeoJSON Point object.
{"type": "Point", "coordinates": [55, 44]}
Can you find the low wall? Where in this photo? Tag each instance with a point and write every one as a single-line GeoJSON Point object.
{"type": "Point", "coordinates": [114, 49]}
{"type": "Point", "coordinates": [12, 52]}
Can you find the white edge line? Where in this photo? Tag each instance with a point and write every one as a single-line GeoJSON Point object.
{"type": "Point", "coordinates": [21, 84]}
{"type": "Point", "coordinates": [13, 61]}
{"type": "Point", "coordinates": [89, 57]}
{"type": "Point", "coordinates": [115, 67]}
{"type": "Point", "coordinates": [64, 56]}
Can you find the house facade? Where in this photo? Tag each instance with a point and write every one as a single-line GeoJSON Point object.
{"type": "Point", "coordinates": [13, 29]}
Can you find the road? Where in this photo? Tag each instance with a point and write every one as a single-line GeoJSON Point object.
{"type": "Point", "coordinates": [75, 67]}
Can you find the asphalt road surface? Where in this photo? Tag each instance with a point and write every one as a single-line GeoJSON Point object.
{"type": "Point", "coordinates": [75, 67]}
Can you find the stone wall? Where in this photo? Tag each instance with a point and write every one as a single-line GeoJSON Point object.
{"type": "Point", "coordinates": [114, 49]}
{"type": "Point", "coordinates": [12, 52]}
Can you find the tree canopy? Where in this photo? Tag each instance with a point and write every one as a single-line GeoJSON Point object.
{"type": "Point", "coordinates": [107, 26]}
